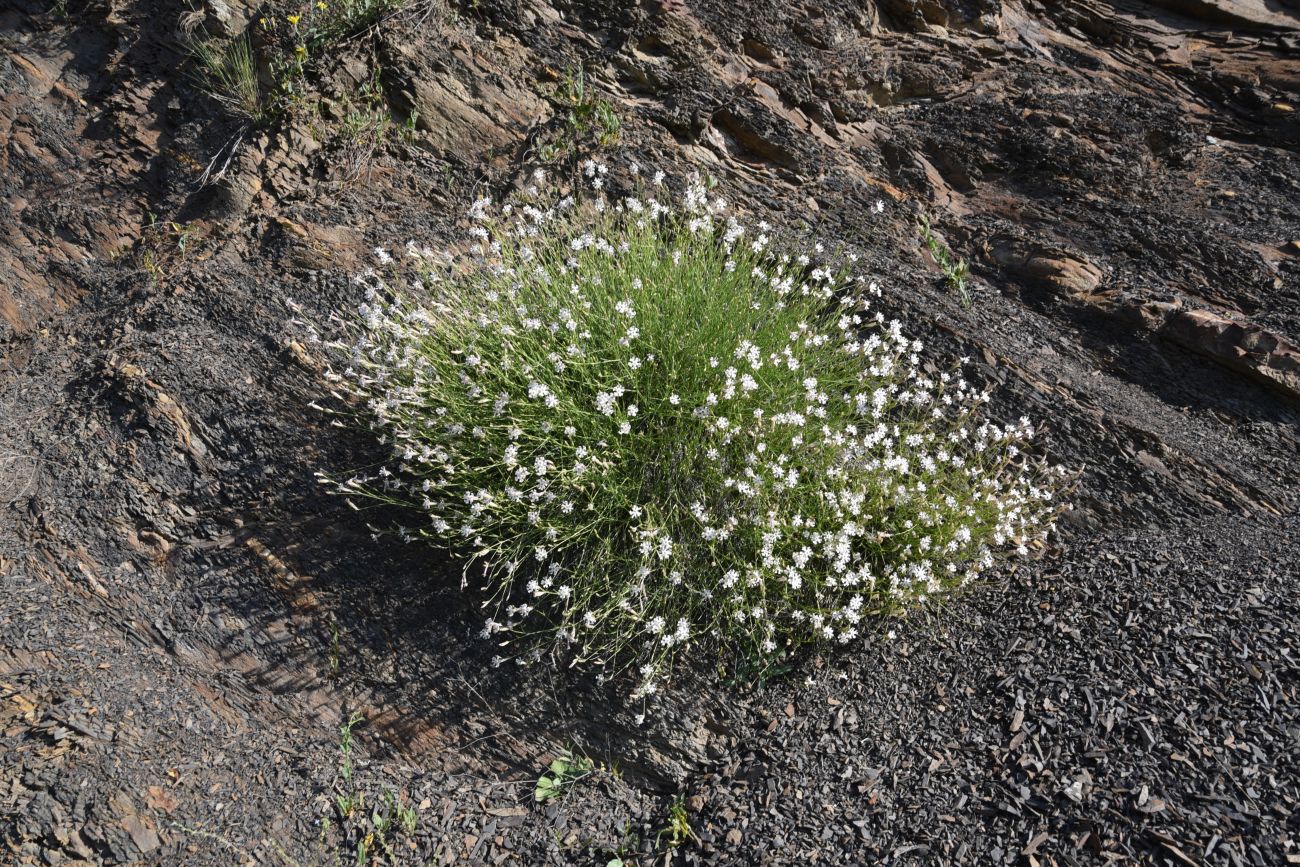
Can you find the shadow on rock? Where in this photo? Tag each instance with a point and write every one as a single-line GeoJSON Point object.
{"type": "Point", "coordinates": [353, 622]}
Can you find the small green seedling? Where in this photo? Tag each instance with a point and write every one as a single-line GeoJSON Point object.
{"type": "Point", "coordinates": [564, 771]}
{"type": "Point", "coordinates": [955, 269]}
{"type": "Point", "coordinates": [345, 744]}
{"type": "Point", "coordinates": [678, 830]}
{"type": "Point", "coordinates": [407, 817]}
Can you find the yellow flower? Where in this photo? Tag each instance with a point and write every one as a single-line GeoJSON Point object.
{"type": "Point", "coordinates": [322, 5]}
{"type": "Point", "coordinates": [300, 50]}
{"type": "Point", "coordinates": [294, 19]}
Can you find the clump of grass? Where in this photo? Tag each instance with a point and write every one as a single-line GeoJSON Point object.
{"type": "Point", "coordinates": [367, 127]}
{"type": "Point", "coordinates": [586, 118]}
{"type": "Point", "coordinates": [956, 272]}
{"type": "Point", "coordinates": [228, 73]}
{"type": "Point", "coordinates": [332, 21]}
{"type": "Point", "coordinates": [656, 438]}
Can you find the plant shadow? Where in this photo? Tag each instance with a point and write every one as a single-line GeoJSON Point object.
{"type": "Point", "coordinates": [355, 622]}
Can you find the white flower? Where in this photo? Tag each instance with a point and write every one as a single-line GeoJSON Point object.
{"type": "Point", "coordinates": [825, 439]}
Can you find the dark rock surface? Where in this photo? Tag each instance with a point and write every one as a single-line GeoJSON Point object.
{"type": "Point", "coordinates": [186, 622]}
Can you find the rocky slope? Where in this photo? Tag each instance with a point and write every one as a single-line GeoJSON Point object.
{"type": "Point", "coordinates": [186, 622]}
